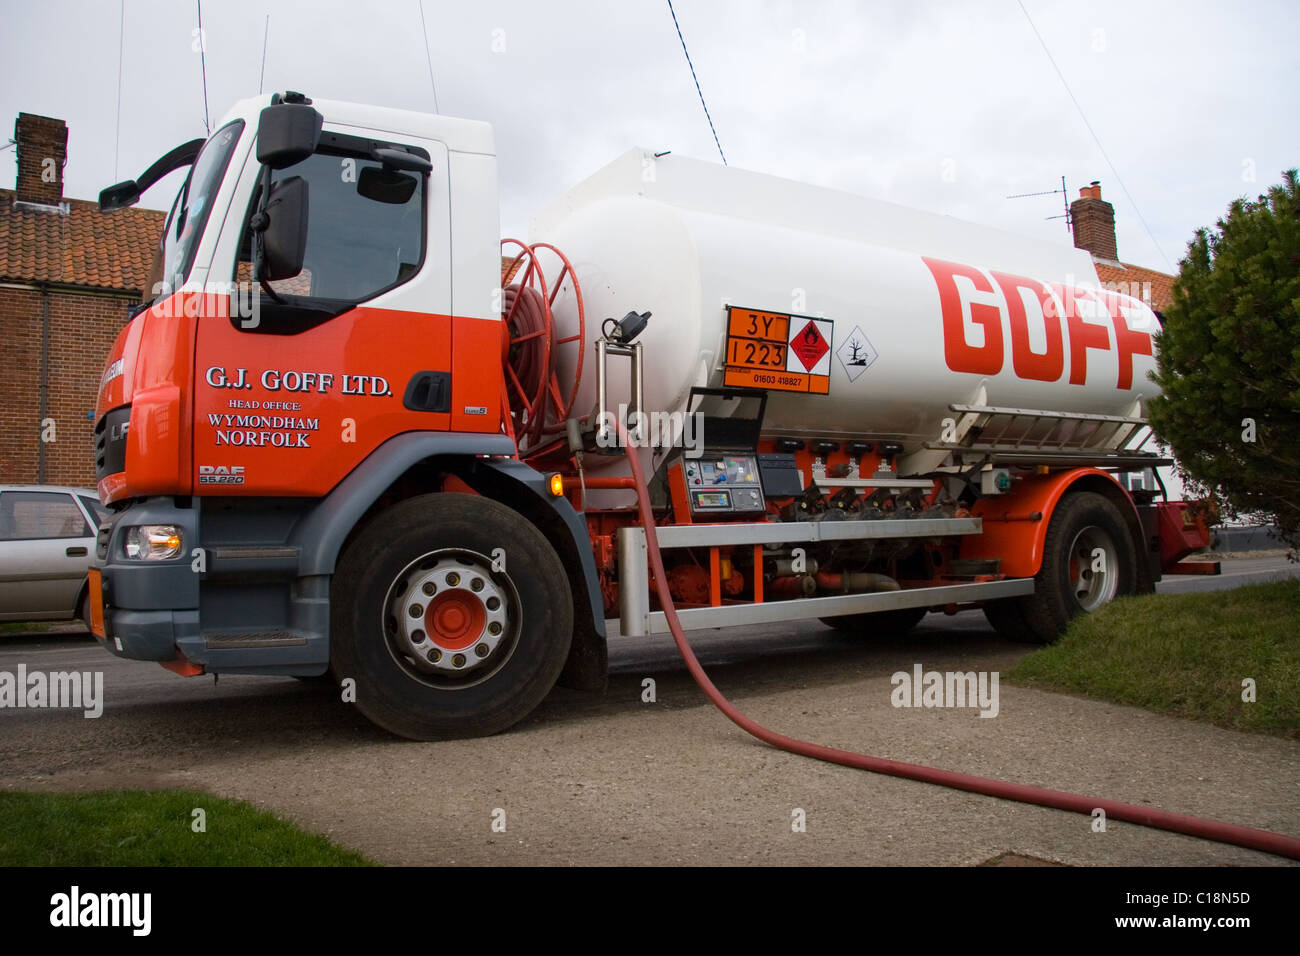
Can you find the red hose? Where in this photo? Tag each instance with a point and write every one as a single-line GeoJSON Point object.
{"type": "Point", "coordinates": [526, 310]}
{"type": "Point", "coordinates": [1263, 840]}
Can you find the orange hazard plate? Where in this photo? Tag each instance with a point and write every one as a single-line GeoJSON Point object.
{"type": "Point", "coordinates": [778, 351]}
{"type": "Point", "coordinates": [96, 603]}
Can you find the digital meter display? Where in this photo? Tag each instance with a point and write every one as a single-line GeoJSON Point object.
{"type": "Point", "coordinates": [712, 499]}
{"type": "Point", "coordinates": [722, 484]}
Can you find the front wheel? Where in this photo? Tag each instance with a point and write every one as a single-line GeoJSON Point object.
{"type": "Point", "coordinates": [1089, 559]}
{"type": "Point", "coordinates": [453, 616]}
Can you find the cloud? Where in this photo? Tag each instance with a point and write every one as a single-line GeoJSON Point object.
{"type": "Point", "coordinates": [945, 106]}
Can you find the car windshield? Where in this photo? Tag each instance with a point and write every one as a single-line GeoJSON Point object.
{"type": "Point", "coordinates": [194, 203]}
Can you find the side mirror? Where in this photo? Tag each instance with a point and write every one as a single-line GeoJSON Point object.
{"type": "Point", "coordinates": [119, 196]}
{"type": "Point", "coordinates": [287, 133]}
{"type": "Point", "coordinates": [386, 185]}
{"type": "Point", "coordinates": [284, 240]}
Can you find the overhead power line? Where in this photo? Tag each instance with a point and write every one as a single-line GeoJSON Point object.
{"type": "Point", "coordinates": [697, 82]}
{"type": "Point", "coordinates": [1095, 138]}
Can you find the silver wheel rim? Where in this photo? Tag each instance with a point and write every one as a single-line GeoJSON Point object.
{"type": "Point", "coordinates": [449, 620]}
{"type": "Point", "coordinates": [1093, 568]}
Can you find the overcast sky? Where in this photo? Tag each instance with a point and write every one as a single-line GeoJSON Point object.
{"type": "Point", "coordinates": [945, 106]}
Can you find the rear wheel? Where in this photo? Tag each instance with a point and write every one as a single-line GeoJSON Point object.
{"type": "Point", "coordinates": [452, 614]}
{"type": "Point", "coordinates": [1088, 561]}
{"type": "Point", "coordinates": [877, 624]}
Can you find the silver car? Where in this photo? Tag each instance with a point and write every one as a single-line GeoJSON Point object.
{"type": "Point", "coordinates": [47, 535]}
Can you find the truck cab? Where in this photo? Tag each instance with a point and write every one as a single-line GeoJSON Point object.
{"type": "Point", "coordinates": [373, 252]}
{"type": "Point", "coordinates": [251, 415]}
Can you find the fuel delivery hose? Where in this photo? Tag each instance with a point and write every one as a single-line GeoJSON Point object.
{"type": "Point", "coordinates": [1248, 837]}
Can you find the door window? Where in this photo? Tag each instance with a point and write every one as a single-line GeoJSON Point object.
{"type": "Point", "coordinates": [28, 515]}
{"type": "Point", "coordinates": [365, 232]}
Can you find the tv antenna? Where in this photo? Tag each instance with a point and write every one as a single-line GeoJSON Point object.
{"type": "Point", "coordinates": [266, 32]}
{"type": "Point", "coordinates": [1065, 201]}
{"type": "Point", "coordinates": [203, 62]}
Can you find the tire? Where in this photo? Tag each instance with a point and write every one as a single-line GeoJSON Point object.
{"type": "Point", "coordinates": [1006, 619]}
{"type": "Point", "coordinates": [83, 611]}
{"type": "Point", "coordinates": [326, 678]}
{"type": "Point", "coordinates": [441, 642]}
{"type": "Point", "coordinates": [877, 623]}
{"type": "Point", "coordinates": [1069, 583]}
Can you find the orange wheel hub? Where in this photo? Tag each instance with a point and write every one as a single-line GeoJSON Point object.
{"type": "Point", "coordinates": [455, 619]}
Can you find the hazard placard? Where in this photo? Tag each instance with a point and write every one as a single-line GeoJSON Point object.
{"type": "Point", "coordinates": [778, 351]}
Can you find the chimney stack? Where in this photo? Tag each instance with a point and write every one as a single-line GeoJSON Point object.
{"type": "Point", "coordinates": [42, 148]}
{"type": "Point", "coordinates": [1093, 220]}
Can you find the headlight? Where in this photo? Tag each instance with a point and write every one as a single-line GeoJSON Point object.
{"type": "Point", "coordinates": [154, 542]}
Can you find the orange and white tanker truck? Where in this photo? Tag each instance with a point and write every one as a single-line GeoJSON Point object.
{"type": "Point", "coordinates": [346, 434]}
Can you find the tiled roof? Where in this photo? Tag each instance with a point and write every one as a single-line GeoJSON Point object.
{"type": "Point", "coordinates": [1133, 280]}
{"type": "Point", "coordinates": [86, 247]}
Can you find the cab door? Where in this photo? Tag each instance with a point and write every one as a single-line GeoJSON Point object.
{"type": "Point", "coordinates": [299, 382]}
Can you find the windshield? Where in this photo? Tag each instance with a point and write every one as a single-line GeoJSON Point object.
{"type": "Point", "coordinates": [193, 205]}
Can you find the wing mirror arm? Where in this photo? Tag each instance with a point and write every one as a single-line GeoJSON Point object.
{"type": "Point", "coordinates": [257, 225]}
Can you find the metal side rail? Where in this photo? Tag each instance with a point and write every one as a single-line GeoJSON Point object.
{"type": "Point", "coordinates": [792, 532]}
{"type": "Point", "coordinates": [1027, 436]}
{"type": "Point", "coordinates": [1071, 458]}
{"type": "Point", "coordinates": [637, 620]}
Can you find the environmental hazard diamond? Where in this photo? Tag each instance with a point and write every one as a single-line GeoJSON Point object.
{"type": "Point", "coordinates": [857, 354]}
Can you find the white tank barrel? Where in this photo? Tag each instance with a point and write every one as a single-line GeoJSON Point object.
{"type": "Point", "coordinates": [862, 319]}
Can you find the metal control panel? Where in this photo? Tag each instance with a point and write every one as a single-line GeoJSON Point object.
{"type": "Point", "coordinates": [723, 484]}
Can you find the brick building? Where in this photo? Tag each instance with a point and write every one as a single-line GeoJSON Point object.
{"type": "Point", "coordinates": [1093, 223]}
{"type": "Point", "coordinates": [68, 276]}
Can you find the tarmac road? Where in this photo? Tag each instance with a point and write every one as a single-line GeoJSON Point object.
{"type": "Point", "coordinates": [616, 780]}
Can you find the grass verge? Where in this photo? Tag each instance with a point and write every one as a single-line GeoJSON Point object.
{"type": "Point", "coordinates": [1186, 655]}
{"type": "Point", "coordinates": [153, 828]}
